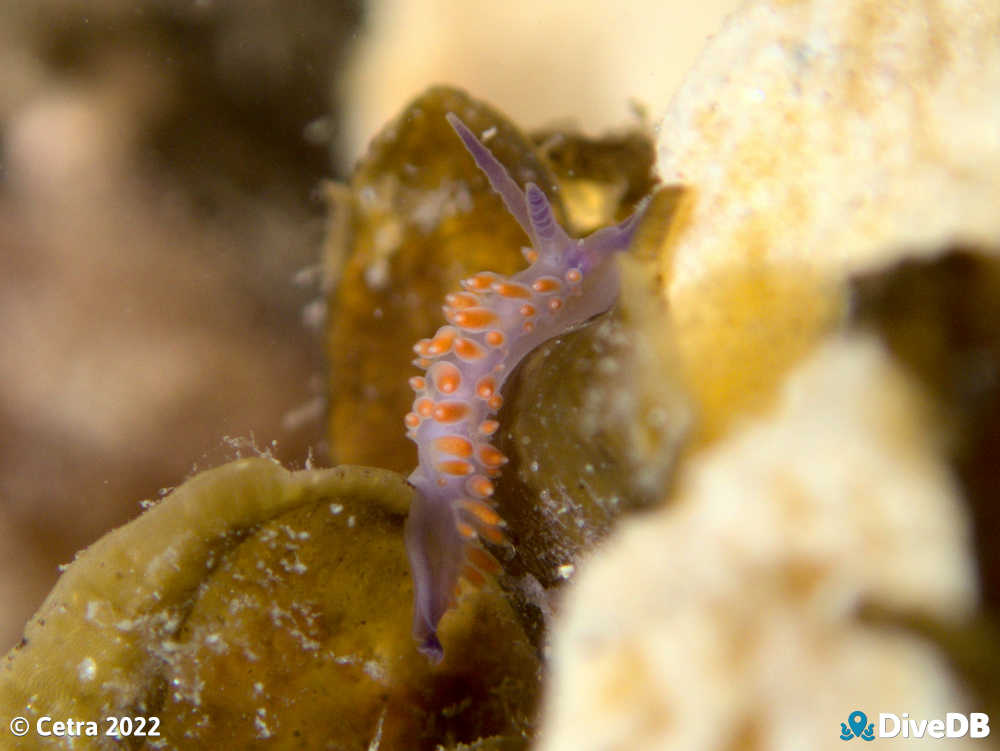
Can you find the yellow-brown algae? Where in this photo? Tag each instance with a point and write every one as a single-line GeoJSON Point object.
{"type": "Point", "coordinates": [256, 604]}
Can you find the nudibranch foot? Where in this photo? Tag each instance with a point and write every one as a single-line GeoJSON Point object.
{"type": "Point", "coordinates": [491, 325]}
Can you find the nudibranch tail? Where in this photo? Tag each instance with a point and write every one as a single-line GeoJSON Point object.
{"type": "Point", "coordinates": [492, 324]}
{"type": "Point", "coordinates": [434, 549]}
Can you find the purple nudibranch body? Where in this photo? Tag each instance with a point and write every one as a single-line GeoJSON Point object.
{"type": "Point", "coordinates": [492, 324]}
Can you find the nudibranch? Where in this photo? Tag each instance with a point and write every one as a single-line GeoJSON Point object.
{"type": "Point", "coordinates": [492, 324]}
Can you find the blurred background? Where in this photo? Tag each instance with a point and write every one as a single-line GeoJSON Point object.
{"type": "Point", "coordinates": [161, 164]}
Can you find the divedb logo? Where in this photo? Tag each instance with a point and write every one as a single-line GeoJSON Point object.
{"type": "Point", "coordinates": [953, 725]}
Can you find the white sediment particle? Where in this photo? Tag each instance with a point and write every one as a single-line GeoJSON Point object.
{"type": "Point", "coordinates": [351, 521]}
{"type": "Point", "coordinates": [433, 206]}
{"type": "Point", "coordinates": [566, 570]}
{"type": "Point", "coordinates": [295, 566]}
{"type": "Point", "coordinates": [308, 276]}
{"type": "Point", "coordinates": [314, 314]}
{"type": "Point", "coordinates": [608, 366]}
{"type": "Point", "coordinates": [169, 645]}
{"type": "Point", "coordinates": [387, 239]}
{"type": "Point", "coordinates": [188, 694]}
{"type": "Point", "coordinates": [463, 199]}
{"type": "Point", "coordinates": [87, 669]}
{"type": "Point", "coordinates": [377, 740]}
{"type": "Point", "coordinates": [534, 466]}
{"type": "Point", "coordinates": [268, 534]}
{"type": "Point", "coordinates": [310, 645]}
{"type": "Point", "coordinates": [377, 274]}
{"type": "Point", "coordinates": [336, 508]}
{"type": "Point", "coordinates": [367, 197]}
{"type": "Point", "coordinates": [263, 731]}
{"type": "Point", "coordinates": [374, 670]}
{"type": "Point", "coordinates": [277, 614]}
